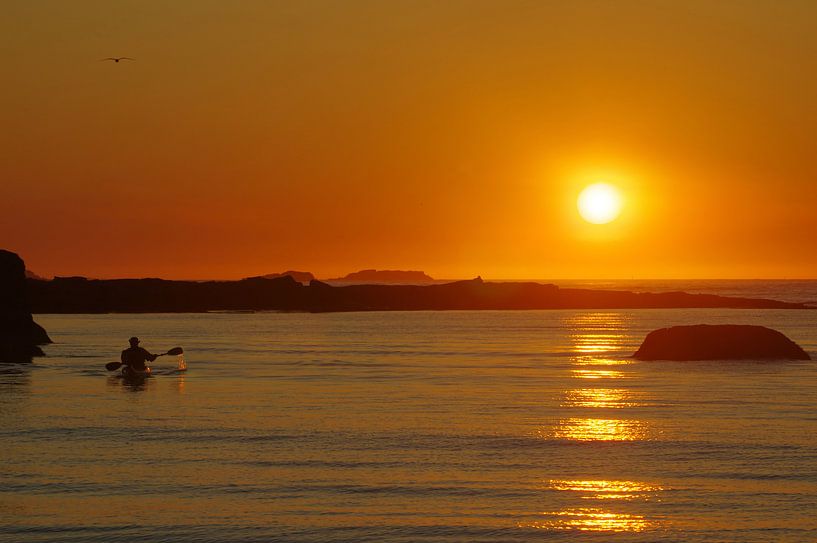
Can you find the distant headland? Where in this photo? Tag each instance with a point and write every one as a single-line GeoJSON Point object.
{"type": "Point", "coordinates": [81, 295]}
{"type": "Point", "coordinates": [384, 276]}
{"type": "Point", "coordinates": [300, 276]}
{"type": "Point", "coordinates": [372, 276]}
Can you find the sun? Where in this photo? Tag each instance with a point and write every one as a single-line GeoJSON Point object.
{"type": "Point", "coordinates": [599, 203]}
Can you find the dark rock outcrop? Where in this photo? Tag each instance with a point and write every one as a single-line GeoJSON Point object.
{"type": "Point", "coordinates": [719, 342]}
{"type": "Point", "coordinates": [20, 336]}
{"type": "Point", "coordinates": [80, 295]}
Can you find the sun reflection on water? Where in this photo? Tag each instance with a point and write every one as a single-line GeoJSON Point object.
{"type": "Point", "coordinates": [611, 398]}
{"type": "Point", "coordinates": [587, 519]}
{"type": "Point", "coordinates": [597, 361]}
{"type": "Point", "coordinates": [597, 374]}
{"type": "Point", "coordinates": [597, 340]}
{"type": "Point", "coordinates": [606, 490]}
{"type": "Point", "coordinates": [596, 333]}
{"type": "Point", "coordinates": [593, 519]}
{"type": "Point", "coordinates": [578, 429]}
{"type": "Point", "coordinates": [596, 343]}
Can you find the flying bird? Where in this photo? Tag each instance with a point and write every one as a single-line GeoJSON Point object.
{"type": "Point", "coordinates": [117, 59]}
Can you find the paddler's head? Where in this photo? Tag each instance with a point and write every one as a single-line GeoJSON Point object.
{"type": "Point", "coordinates": [134, 341]}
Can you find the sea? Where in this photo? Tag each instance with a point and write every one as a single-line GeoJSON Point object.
{"type": "Point", "coordinates": [447, 426]}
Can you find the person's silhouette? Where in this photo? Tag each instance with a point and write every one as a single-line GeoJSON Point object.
{"type": "Point", "coordinates": [135, 356]}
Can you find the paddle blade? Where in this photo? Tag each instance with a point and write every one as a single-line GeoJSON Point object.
{"type": "Point", "coordinates": [175, 351]}
{"type": "Point", "coordinates": [110, 366]}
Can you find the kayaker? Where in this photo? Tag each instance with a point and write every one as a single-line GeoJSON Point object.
{"type": "Point", "coordinates": [135, 357]}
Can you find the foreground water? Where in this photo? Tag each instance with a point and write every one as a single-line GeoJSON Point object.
{"type": "Point", "coordinates": [424, 426]}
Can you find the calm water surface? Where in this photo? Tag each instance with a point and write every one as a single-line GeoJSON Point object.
{"type": "Point", "coordinates": [415, 426]}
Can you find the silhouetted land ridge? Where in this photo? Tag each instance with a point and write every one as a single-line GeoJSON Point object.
{"type": "Point", "coordinates": [80, 295]}
{"type": "Point", "coordinates": [719, 342]}
{"type": "Point", "coordinates": [385, 276]}
{"type": "Point", "coordinates": [300, 276]}
{"type": "Point", "coordinates": [363, 276]}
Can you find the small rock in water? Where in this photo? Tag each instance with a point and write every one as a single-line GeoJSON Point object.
{"type": "Point", "coordinates": [719, 342]}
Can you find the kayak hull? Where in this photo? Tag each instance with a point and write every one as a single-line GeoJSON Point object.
{"type": "Point", "coordinates": [129, 373]}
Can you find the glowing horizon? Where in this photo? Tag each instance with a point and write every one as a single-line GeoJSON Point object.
{"type": "Point", "coordinates": [257, 138]}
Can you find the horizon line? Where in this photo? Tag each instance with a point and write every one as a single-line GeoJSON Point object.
{"type": "Point", "coordinates": [443, 280]}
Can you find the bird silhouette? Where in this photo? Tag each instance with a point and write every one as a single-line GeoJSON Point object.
{"type": "Point", "coordinates": [117, 59]}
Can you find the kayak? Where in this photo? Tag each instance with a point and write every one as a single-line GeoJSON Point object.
{"type": "Point", "coordinates": [130, 373]}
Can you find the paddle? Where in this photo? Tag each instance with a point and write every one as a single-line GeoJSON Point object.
{"type": "Point", "coordinates": [175, 351]}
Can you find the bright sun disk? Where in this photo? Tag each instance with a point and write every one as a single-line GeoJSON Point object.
{"type": "Point", "coordinates": [599, 203]}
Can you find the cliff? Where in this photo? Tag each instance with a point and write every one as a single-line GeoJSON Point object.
{"type": "Point", "coordinates": [20, 336]}
{"type": "Point", "coordinates": [80, 295]}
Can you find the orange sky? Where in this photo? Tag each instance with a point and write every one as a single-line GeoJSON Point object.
{"type": "Point", "coordinates": [453, 137]}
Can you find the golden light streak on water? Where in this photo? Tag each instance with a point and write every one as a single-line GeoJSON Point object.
{"type": "Point", "coordinates": [611, 398]}
{"type": "Point", "coordinates": [596, 343]}
{"type": "Point", "coordinates": [598, 320]}
{"type": "Point", "coordinates": [597, 374]}
{"type": "Point", "coordinates": [596, 519]}
{"type": "Point", "coordinates": [591, 520]}
{"type": "Point", "coordinates": [597, 333]}
{"type": "Point", "coordinates": [596, 361]}
{"type": "Point", "coordinates": [606, 490]}
{"type": "Point", "coordinates": [578, 429]}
